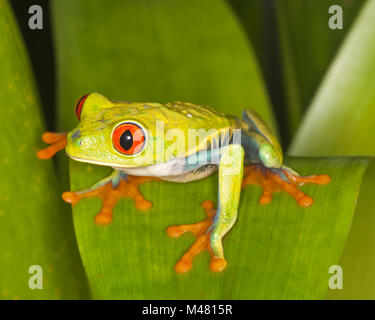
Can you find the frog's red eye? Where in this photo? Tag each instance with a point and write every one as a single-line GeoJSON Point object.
{"type": "Point", "coordinates": [79, 106]}
{"type": "Point", "coordinates": [128, 138]}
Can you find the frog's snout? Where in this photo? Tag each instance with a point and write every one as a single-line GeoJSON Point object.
{"type": "Point", "coordinates": [74, 140]}
{"type": "Point", "coordinates": [76, 134]}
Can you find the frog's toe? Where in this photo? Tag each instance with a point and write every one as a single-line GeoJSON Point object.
{"type": "Point", "coordinates": [202, 232]}
{"type": "Point", "coordinates": [103, 218]}
{"type": "Point", "coordinates": [143, 204]}
{"type": "Point", "coordinates": [110, 190]}
{"type": "Point", "coordinates": [281, 179]}
{"type": "Point", "coordinates": [183, 265]}
{"type": "Point", "coordinates": [218, 264]}
{"type": "Point", "coordinates": [70, 197]}
{"type": "Point", "coordinates": [299, 180]}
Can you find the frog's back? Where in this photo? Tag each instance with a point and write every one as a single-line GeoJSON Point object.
{"type": "Point", "coordinates": [199, 116]}
{"type": "Point", "coordinates": [209, 124]}
{"type": "Point", "coordinates": [176, 114]}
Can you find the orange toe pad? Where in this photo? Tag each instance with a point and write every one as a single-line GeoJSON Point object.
{"type": "Point", "coordinates": [127, 188]}
{"type": "Point", "coordinates": [271, 182]}
{"type": "Point", "coordinates": [202, 241]}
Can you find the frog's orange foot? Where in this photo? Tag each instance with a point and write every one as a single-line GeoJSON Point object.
{"type": "Point", "coordinates": [126, 188]}
{"type": "Point", "coordinates": [57, 142]}
{"type": "Point", "coordinates": [271, 181]}
{"type": "Point", "coordinates": [202, 241]}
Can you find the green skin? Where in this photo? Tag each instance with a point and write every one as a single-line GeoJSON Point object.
{"type": "Point", "coordinates": [181, 161]}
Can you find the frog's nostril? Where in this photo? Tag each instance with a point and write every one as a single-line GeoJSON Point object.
{"type": "Point", "coordinates": [76, 134]}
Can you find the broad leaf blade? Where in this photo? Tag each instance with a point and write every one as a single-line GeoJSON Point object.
{"type": "Point", "coordinates": [276, 251]}
{"type": "Point", "coordinates": [161, 51]}
{"type": "Point", "coordinates": [308, 46]}
{"type": "Point", "coordinates": [258, 20]}
{"type": "Point", "coordinates": [342, 114]}
{"type": "Point", "coordinates": [35, 229]}
{"type": "Point", "coordinates": [156, 51]}
{"type": "Point", "coordinates": [132, 257]}
{"type": "Point", "coordinates": [358, 259]}
{"type": "Point", "coordinates": [341, 121]}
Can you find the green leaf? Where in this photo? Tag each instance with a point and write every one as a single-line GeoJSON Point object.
{"type": "Point", "coordinates": [341, 121]}
{"type": "Point", "coordinates": [308, 46]}
{"type": "Point", "coordinates": [35, 229]}
{"type": "Point", "coordinates": [258, 20]}
{"type": "Point", "coordinates": [344, 106]}
{"type": "Point", "coordinates": [275, 251]}
{"type": "Point", "coordinates": [154, 51]}
{"type": "Point", "coordinates": [358, 259]}
{"type": "Point", "coordinates": [194, 51]}
{"type": "Point", "coordinates": [188, 50]}
{"type": "Point", "coordinates": [151, 51]}
{"type": "Point", "coordinates": [255, 17]}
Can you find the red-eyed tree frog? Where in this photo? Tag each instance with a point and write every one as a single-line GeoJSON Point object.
{"type": "Point", "coordinates": [178, 142]}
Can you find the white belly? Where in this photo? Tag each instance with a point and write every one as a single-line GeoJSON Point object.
{"type": "Point", "coordinates": [172, 170]}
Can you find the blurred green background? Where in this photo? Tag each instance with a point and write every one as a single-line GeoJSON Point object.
{"type": "Point", "coordinates": [313, 85]}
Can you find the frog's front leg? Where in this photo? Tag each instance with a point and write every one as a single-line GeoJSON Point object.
{"type": "Point", "coordinates": [56, 140]}
{"type": "Point", "coordinates": [110, 190]}
{"type": "Point", "coordinates": [230, 178]}
{"type": "Point", "coordinates": [210, 232]}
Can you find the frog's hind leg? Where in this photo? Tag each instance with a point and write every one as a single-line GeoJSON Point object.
{"type": "Point", "coordinates": [110, 190]}
{"type": "Point", "coordinates": [281, 179]}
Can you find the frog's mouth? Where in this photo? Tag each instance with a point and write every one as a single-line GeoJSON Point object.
{"type": "Point", "coordinates": [85, 160]}
{"type": "Point", "coordinates": [100, 162]}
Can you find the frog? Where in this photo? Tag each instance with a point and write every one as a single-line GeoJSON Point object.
{"type": "Point", "coordinates": [146, 141]}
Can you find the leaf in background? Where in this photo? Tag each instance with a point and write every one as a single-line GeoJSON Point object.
{"type": "Point", "coordinates": [35, 229]}
{"type": "Point", "coordinates": [259, 22]}
{"type": "Point", "coordinates": [156, 51]}
{"type": "Point", "coordinates": [193, 51]}
{"type": "Point", "coordinates": [276, 251]}
{"type": "Point", "coordinates": [341, 121]}
{"type": "Point", "coordinates": [308, 45]}
{"type": "Point", "coordinates": [254, 16]}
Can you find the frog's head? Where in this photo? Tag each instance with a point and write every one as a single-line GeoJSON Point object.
{"type": "Point", "coordinates": [110, 133]}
